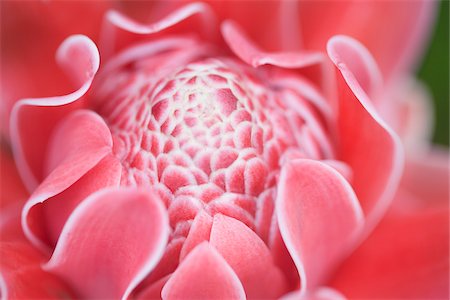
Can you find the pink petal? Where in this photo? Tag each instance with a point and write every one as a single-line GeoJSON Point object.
{"type": "Point", "coordinates": [407, 107]}
{"type": "Point", "coordinates": [323, 293]}
{"type": "Point", "coordinates": [204, 274]}
{"type": "Point", "coordinates": [366, 143]}
{"type": "Point", "coordinates": [394, 31]}
{"type": "Point", "coordinates": [251, 54]}
{"type": "Point", "coordinates": [200, 231]}
{"type": "Point", "coordinates": [111, 242]}
{"type": "Point", "coordinates": [406, 257]}
{"type": "Point", "coordinates": [114, 40]}
{"type": "Point", "coordinates": [80, 162]}
{"type": "Point", "coordinates": [278, 21]}
{"type": "Point", "coordinates": [249, 257]}
{"type": "Point", "coordinates": [153, 291]}
{"type": "Point", "coordinates": [31, 31]}
{"type": "Point", "coordinates": [22, 277]}
{"type": "Point", "coordinates": [319, 218]}
{"type": "Point", "coordinates": [427, 177]}
{"type": "Point", "coordinates": [13, 190]}
{"type": "Point", "coordinates": [32, 120]}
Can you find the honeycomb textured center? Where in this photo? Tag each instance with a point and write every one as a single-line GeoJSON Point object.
{"type": "Point", "coordinates": [209, 136]}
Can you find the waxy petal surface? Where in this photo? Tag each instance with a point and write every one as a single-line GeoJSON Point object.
{"type": "Point", "coordinates": [406, 257]}
{"type": "Point", "coordinates": [33, 119]}
{"type": "Point", "coordinates": [130, 227]}
{"type": "Point", "coordinates": [22, 276]}
{"type": "Point", "coordinates": [396, 42]}
{"type": "Point", "coordinates": [120, 30]}
{"type": "Point", "coordinates": [366, 143]}
{"type": "Point", "coordinates": [204, 274]}
{"type": "Point", "coordinates": [79, 163]}
{"type": "Point", "coordinates": [249, 257]}
{"type": "Point", "coordinates": [319, 218]}
{"type": "Point", "coordinates": [251, 54]}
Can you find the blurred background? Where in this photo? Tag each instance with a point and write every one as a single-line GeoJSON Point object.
{"type": "Point", "coordinates": [434, 72]}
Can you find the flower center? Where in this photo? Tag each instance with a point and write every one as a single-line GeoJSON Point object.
{"type": "Point", "coordinates": [208, 136]}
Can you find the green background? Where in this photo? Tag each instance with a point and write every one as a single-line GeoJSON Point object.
{"type": "Point", "coordinates": [435, 73]}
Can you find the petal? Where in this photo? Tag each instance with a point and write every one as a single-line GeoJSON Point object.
{"type": "Point", "coordinates": [278, 21]}
{"type": "Point", "coordinates": [406, 257]}
{"type": "Point", "coordinates": [251, 54]}
{"type": "Point", "coordinates": [323, 293]}
{"type": "Point", "coordinates": [319, 217]}
{"type": "Point", "coordinates": [200, 231]}
{"type": "Point", "coordinates": [370, 147]}
{"type": "Point", "coordinates": [79, 162]}
{"type": "Point", "coordinates": [30, 34]}
{"type": "Point", "coordinates": [249, 257]}
{"type": "Point", "coordinates": [114, 40]}
{"type": "Point", "coordinates": [105, 253]}
{"type": "Point", "coordinates": [204, 274]}
{"type": "Point", "coordinates": [22, 277]}
{"type": "Point", "coordinates": [13, 190]}
{"type": "Point", "coordinates": [32, 120]}
{"type": "Point", "coordinates": [427, 178]}
{"type": "Point", "coordinates": [394, 31]}
{"type": "Point", "coordinates": [407, 108]}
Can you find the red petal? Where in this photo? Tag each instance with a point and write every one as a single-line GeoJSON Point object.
{"type": "Point", "coordinates": [200, 231]}
{"type": "Point", "coordinates": [427, 178]}
{"type": "Point", "coordinates": [406, 257]}
{"type": "Point", "coordinates": [31, 31]}
{"type": "Point", "coordinates": [111, 242]}
{"type": "Point", "coordinates": [366, 143]}
{"type": "Point", "coordinates": [203, 274]}
{"type": "Point", "coordinates": [22, 276]}
{"type": "Point", "coordinates": [32, 120]}
{"type": "Point", "coordinates": [249, 257]}
{"type": "Point", "coordinates": [319, 217]}
{"type": "Point", "coordinates": [255, 57]}
{"type": "Point", "coordinates": [80, 163]}
{"type": "Point", "coordinates": [114, 40]}
{"type": "Point", "coordinates": [323, 293]}
{"type": "Point", "coordinates": [12, 197]}
{"type": "Point", "coordinates": [278, 21]}
{"type": "Point", "coordinates": [394, 31]}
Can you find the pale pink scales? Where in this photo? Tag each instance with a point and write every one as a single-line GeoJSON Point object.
{"type": "Point", "coordinates": [208, 136]}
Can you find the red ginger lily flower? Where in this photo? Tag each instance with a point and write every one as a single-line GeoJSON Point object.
{"type": "Point", "coordinates": [193, 164]}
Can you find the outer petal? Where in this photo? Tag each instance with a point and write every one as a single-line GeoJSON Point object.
{"type": "Point", "coordinates": [79, 162]}
{"type": "Point", "coordinates": [31, 31]}
{"type": "Point", "coordinates": [249, 257]}
{"type": "Point", "coordinates": [405, 257]}
{"type": "Point", "coordinates": [427, 179]}
{"type": "Point", "coordinates": [204, 274]}
{"type": "Point", "coordinates": [22, 277]}
{"type": "Point", "coordinates": [319, 218]}
{"type": "Point", "coordinates": [396, 42]}
{"type": "Point", "coordinates": [33, 119]}
{"type": "Point", "coordinates": [103, 252]}
{"type": "Point", "coordinates": [12, 197]}
{"type": "Point", "coordinates": [366, 143]}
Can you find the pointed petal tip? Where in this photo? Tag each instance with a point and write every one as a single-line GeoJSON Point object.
{"type": "Point", "coordinates": [312, 198]}
{"type": "Point", "coordinates": [204, 274]}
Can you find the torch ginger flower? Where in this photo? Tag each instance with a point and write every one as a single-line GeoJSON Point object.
{"type": "Point", "coordinates": [191, 163]}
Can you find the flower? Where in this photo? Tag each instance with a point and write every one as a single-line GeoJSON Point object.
{"type": "Point", "coordinates": [191, 163]}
